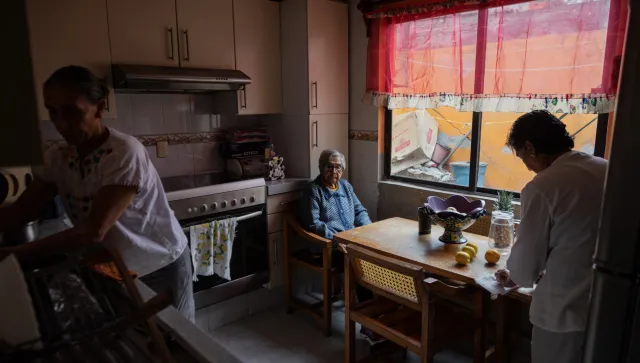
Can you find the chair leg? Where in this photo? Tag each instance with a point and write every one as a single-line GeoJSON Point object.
{"type": "Point", "coordinates": [349, 325]}
{"type": "Point", "coordinates": [480, 336]}
{"type": "Point", "coordinates": [326, 289]}
{"type": "Point", "coordinates": [287, 272]}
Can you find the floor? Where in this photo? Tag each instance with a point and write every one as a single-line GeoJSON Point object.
{"type": "Point", "coordinates": [274, 336]}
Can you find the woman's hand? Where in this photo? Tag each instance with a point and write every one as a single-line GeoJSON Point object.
{"type": "Point", "coordinates": [502, 276]}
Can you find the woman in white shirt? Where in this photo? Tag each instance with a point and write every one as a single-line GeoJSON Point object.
{"type": "Point", "coordinates": [557, 236]}
{"type": "Point", "coordinates": [109, 188]}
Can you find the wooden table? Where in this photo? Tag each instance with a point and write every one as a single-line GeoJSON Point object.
{"type": "Point", "coordinates": [398, 238]}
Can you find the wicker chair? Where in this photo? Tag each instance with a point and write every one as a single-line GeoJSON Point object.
{"type": "Point", "coordinates": [403, 310]}
{"type": "Point", "coordinates": [320, 264]}
{"type": "Point", "coordinates": [481, 226]}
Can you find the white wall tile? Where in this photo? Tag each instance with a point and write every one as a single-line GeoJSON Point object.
{"type": "Point", "coordinates": [176, 111]}
{"type": "Point", "coordinates": [146, 114]}
{"type": "Point", "coordinates": [207, 158]}
{"type": "Point", "coordinates": [124, 122]}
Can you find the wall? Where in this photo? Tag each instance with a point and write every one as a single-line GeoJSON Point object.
{"type": "Point", "coordinates": [189, 122]}
{"type": "Point", "coordinates": [363, 119]}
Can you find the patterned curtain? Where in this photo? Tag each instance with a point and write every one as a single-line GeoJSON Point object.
{"type": "Point", "coordinates": [496, 56]}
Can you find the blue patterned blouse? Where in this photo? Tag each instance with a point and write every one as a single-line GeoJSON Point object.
{"type": "Point", "coordinates": [326, 212]}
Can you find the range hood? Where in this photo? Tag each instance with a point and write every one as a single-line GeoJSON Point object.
{"type": "Point", "coordinates": [136, 78]}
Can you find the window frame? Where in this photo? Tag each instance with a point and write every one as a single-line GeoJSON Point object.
{"type": "Point", "coordinates": [599, 147]}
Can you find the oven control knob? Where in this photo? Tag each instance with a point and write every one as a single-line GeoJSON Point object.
{"type": "Point", "coordinates": [252, 199]}
{"type": "Point", "coordinates": [234, 202]}
{"type": "Point", "coordinates": [214, 205]}
{"type": "Point", "coordinates": [224, 204]}
{"type": "Point", "coordinates": [203, 208]}
{"type": "Point", "coordinates": [189, 210]}
{"type": "Point", "coordinates": [243, 200]}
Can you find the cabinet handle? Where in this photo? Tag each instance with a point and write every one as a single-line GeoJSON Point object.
{"type": "Point", "coordinates": [315, 126]}
{"type": "Point", "coordinates": [186, 42]}
{"type": "Point", "coordinates": [244, 97]}
{"type": "Point", "coordinates": [275, 252]}
{"type": "Point", "coordinates": [314, 89]}
{"type": "Point", "coordinates": [106, 107]}
{"type": "Point", "coordinates": [170, 30]}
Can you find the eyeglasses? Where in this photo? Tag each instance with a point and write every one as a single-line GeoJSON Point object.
{"type": "Point", "coordinates": [330, 167]}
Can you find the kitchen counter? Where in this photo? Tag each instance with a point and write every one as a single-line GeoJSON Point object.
{"type": "Point", "coordinates": [286, 185]}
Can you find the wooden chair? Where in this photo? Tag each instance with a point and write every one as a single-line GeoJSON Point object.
{"type": "Point", "coordinates": [304, 259]}
{"type": "Point", "coordinates": [403, 310]}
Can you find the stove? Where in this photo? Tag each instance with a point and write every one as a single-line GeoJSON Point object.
{"type": "Point", "coordinates": [199, 199]}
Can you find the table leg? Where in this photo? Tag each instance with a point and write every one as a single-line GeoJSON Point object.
{"type": "Point", "coordinates": [501, 330]}
{"type": "Point", "coordinates": [349, 325]}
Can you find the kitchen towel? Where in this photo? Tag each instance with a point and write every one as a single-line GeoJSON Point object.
{"type": "Point", "coordinates": [211, 247]}
{"type": "Point", "coordinates": [495, 288]}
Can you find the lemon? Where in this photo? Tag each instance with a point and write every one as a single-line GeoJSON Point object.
{"type": "Point", "coordinates": [472, 245]}
{"type": "Point", "coordinates": [463, 258]}
{"type": "Point", "coordinates": [470, 250]}
{"type": "Point", "coordinates": [492, 256]}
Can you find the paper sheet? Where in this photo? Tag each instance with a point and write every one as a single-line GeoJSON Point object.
{"type": "Point", "coordinates": [490, 284]}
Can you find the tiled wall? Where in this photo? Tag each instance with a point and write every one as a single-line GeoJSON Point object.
{"type": "Point", "coordinates": [159, 115]}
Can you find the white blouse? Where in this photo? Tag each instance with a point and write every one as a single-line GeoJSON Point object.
{"type": "Point", "coordinates": [557, 237]}
{"type": "Point", "coordinates": [147, 234]}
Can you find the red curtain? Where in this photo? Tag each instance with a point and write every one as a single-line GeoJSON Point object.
{"type": "Point", "coordinates": [508, 56]}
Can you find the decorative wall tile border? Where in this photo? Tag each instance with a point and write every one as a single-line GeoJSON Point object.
{"type": "Point", "coordinates": [173, 139]}
{"type": "Point", "coordinates": [363, 135]}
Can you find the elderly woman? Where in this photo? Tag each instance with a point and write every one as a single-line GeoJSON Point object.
{"type": "Point", "coordinates": [557, 235]}
{"type": "Point", "coordinates": [332, 204]}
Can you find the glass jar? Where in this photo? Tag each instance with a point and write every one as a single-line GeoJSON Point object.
{"type": "Point", "coordinates": [502, 231]}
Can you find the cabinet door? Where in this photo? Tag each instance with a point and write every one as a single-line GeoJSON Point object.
{"type": "Point", "coordinates": [143, 32]}
{"type": "Point", "coordinates": [328, 32]}
{"type": "Point", "coordinates": [327, 132]}
{"type": "Point", "coordinates": [80, 36]}
{"type": "Point", "coordinates": [257, 38]}
{"type": "Point", "coordinates": [276, 260]}
{"type": "Point", "coordinates": [206, 33]}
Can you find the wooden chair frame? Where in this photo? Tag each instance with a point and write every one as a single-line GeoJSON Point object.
{"type": "Point", "coordinates": [290, 224]}
{"type": "Point", "coordinates": [427, 289]}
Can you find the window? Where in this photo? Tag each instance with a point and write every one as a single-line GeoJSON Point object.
{"type": "Point", "coordinates": [530, 48]}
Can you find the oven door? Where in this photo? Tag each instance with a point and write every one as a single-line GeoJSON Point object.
{"type": "Point", "coordinates": [249, 258]}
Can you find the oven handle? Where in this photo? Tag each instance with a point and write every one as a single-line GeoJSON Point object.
{"type": "Point", "coordinates": [238, 219]}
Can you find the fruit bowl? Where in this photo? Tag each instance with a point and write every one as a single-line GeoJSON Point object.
{"type": "Point", "coordinates": [454, 214]}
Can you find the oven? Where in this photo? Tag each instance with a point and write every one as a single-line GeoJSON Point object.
{"type": "Point", "coordinates": [250, 254]}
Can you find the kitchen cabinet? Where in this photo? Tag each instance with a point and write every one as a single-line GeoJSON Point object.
{"type": "Point", "coordinates": [76, 33]}
{"type": "Point", "coordinates": [327, 132]}
{"type": "Point", "coordinates": [143, 32]}
{"type": "Point", "coordinates": [315, 90]}
{"type": "Point", "coordinates": [205, 29]}
{"type": "Point", "coordinates": [186, 33]}
{"type": "Point", "coordinates": [328, 29]}
{"type": "Point", "coordinates": [257, 40]}
{"type": "Point", "coordinates": [276, 260]}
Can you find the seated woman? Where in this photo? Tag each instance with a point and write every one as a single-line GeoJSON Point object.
{"type": "Point", "coordinates": [330, 205]}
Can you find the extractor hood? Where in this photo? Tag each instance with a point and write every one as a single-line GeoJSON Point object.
{"type": "Point", "coordinates": [137, 78]}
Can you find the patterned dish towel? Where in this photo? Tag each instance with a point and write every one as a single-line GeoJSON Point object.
{"type": "Point", "coordinates": [211, 246]}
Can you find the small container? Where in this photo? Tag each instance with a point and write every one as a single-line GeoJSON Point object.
{"type": "Point", "coordinates": [424, 221]}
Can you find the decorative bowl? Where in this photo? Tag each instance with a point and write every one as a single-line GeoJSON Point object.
{"type": "Point", "coordinates": [454, 214]}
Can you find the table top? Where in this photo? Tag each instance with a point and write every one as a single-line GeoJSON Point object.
{"type": "Point", "coordinates": [398, 238]}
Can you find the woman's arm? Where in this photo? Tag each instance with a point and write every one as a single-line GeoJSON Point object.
{"type": "Point", "coordinates": [108, 205]}
{"type": "Point", "coordinates": [311, 213]}
{"type": "Point", "coordinates": [28, 206]}
{"type": "Point", "coordinates": [528, 256]}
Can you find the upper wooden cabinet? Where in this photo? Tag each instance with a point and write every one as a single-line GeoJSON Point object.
{"type": "Point", "coordinates": [328, 33]}
{"type": "Point", "coordinates": [257, 36]}
{"type": "Point", "coordinates": [206, 33]}
{"type": "Point", "coordinates": [76, 33]}
{"type": "Point", "coordinates": [143, 32]}
{"type": "Point", "coordinates": [186, 33]}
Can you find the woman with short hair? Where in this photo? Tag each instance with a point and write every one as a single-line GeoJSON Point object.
{"type": "Point", "coordinates": [556, 238]}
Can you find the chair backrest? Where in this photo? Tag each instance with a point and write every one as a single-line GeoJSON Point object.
{"type": "Point", "coordinates": [391, 278]}
{"type": "Point", "coordinates": [481, 226]}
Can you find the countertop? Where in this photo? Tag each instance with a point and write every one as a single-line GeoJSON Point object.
{"type": "Point", "coordinates": [286, 185]}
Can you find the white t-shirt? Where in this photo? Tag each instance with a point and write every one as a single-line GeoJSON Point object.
{"type": "Point", "coordinates": [557, 235]}
{"type": "Point", "coordinates": [147, 234]}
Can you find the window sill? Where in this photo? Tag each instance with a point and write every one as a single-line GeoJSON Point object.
{"type": "Point", "coordinates": [402, 194]}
